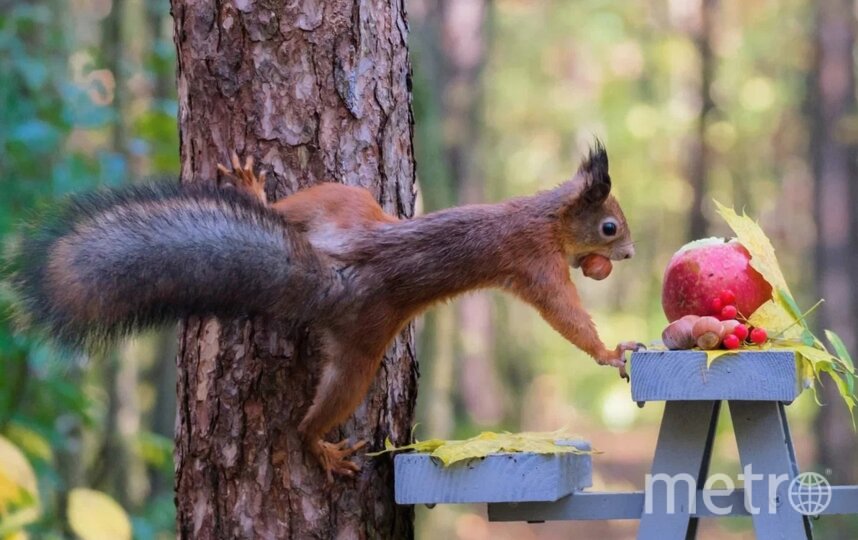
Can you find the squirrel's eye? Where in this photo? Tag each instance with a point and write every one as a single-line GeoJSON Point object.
{"type": "Point", "coordinates": [609, 228]}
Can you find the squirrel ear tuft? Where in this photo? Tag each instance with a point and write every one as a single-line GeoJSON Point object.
{"type": "Point", "coordinates": [595, 172]}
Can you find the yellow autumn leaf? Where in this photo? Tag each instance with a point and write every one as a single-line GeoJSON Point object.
{"type": "Point", "coordinates": [420, 446]}
{"type": "Point", "coordinates": [819, 359]}
{"type": "Point", "coordinates": [94, 515]}
{"type": "Point", "coordinates": [822, 361]}
{"type": "Point", "coordinates": [480, 446]}
{"type": "Point", "coordinates": [715, 354]}
{"type": "Point", "coordinates": [776, 320]}
{"type": "Point", "coordinates": [13, 523]}
{"type": "Point", "coordinates": [492, 443]}
{"type": "Point", "coordinates": [17, 479]}
{"type": "Point", "coordinates": [750, 235]}
{"type": "Point", "coordinates": [30, 441]}
{"type": "Point", "coordinates": [807, 373]}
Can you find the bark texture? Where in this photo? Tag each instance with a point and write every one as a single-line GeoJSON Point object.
{"type": "Point", "coordinates": [316, 91]}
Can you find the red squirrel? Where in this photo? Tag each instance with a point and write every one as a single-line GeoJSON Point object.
{"type": "Point", "coordinates": [327, 257]}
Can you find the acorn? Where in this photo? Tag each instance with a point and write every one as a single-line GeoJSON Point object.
{"type": "Point", "coordinates": [677, 335]}
{"type": "Point", "coordinates": [708, 332]}
{"type": "Point", "coordinates": [596, 267]}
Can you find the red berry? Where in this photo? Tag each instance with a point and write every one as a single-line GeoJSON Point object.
{"type": "Point", "coordinates": [728, 298]}
{"type": "Point", "coordinates": [741, 331]}
{"type": "Point", "coordinates": [759, 335]}
{"type": "Point", "coordinates": [716, 305]}
{"type": "Point", "coordinates": [728, 312]}
{"type": "Point", "coordinates": [731, 341]}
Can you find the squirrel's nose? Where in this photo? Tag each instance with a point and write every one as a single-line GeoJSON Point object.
{"type": "Point", "coordinates": [628, 256]}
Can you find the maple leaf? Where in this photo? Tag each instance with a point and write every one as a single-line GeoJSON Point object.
{"type": "Point", "coordinates": [750, 235]}
{"type": "Point", "coordinates": [784, 320]}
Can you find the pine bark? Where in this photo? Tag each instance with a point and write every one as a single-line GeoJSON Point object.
{"type": "Point", "coordinates": [315, 91]}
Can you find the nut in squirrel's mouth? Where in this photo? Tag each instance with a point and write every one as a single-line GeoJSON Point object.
{"type": "Point", "coordinates": [578, 260]}
{"type": "Point", "coordinates": [575, 262]}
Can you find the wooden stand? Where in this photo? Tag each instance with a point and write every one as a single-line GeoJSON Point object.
{"type": "Point", "coordinates": [755, 385]}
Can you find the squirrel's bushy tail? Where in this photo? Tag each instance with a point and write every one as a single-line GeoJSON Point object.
{"type": "Point", "coordinates": [109, 263]}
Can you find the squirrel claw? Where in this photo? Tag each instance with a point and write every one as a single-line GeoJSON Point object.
{"type": "Point", "coordinates": [244, 177]}
{"type": "Point", "coordinates": [332, 458]}
{"type": "Point", "coordinates": [632, 346]}
{"type": "Point", "coordinates": [616, 358]}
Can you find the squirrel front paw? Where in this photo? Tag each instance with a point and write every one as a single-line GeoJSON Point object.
{"type": "Point", "coordinates": [617, 357]}
{"type": "Point", "coordinates": [244, 177]}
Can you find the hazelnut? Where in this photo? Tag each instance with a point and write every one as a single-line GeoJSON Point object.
{"type": "Point", "coordinates": [690, 318]}
{"type": "Point", "coordinates": [708, 332]}
{"type": "Point", "coordinates": [596, 267]}
{"type": "Point", "coordinates": [678, 335]}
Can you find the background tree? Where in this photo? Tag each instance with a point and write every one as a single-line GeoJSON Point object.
{"type": "Point", "coordinates": [452, 37]}
{"type": "Point", "coordinates": [834, 150]}
{"type": "Point", "coordinates": [699, 152]}
{"type": "Point", "coordinates": [315, 91]}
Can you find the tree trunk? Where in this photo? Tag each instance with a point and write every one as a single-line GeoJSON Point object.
{"type": "Point", "coordinates": [162, 420]}
{"type": "Point", "coordinates": [832, 103]}
{"type": "Point", "coordinates": [453, 42]}
{"type": "Point", "coordinates": [463, 42]}
{"type": "Point", "coordinates": [699, 165]}
{"type": "Point", "coordinates": [315, 91]}
{"type": "Point", "coordinates": [162, 375]}
{"type": "Point", "coordinates": [110, 470]}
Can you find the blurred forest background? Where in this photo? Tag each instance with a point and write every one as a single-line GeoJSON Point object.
{"type": "Point", "coordinates": [752, 103]}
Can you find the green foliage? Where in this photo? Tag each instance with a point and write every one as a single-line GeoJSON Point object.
{"type": "Point", "coordinates": [59, 118]}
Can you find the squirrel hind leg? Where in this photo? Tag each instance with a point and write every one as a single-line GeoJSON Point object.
{"type": "Point", "coordinates": [243, 177]}
{"type": "Point", "coordinates": [344, 381]}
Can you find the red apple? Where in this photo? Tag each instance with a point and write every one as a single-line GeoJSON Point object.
{"type": "Point", "coordinates": [702, 270]}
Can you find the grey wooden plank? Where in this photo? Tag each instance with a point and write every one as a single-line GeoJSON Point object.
{"type": "Point", "coordinates": [587, 505]}
{"type": "Point", "coordinates": [683, 375]}
{"type": "Point", "coordinates": [581, 505]}
{"type": "Point", "coordinates": [590, 506]}
{"type": "Point", "coordinates": [764, 446]}
{"type": "Point", "coordinates": [844, 500]}
{"type": "Point", "coordinates": [703, 473]}
{"type": "Point", "coordinates": [684, 443]}
{"type": "Point", "coordinates": [507, 477]}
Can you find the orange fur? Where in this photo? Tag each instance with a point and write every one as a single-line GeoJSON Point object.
{"type": "Point", "coordinates": [328, 203]}
{"type": "Point", "coordinates": [398, 268]}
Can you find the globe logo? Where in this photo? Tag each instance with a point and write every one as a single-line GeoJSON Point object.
{"type": "Point", "coordinates": [809, 493]}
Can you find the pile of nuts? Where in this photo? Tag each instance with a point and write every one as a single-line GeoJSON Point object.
{"type": "Point", "coordinates": [721, 329]}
